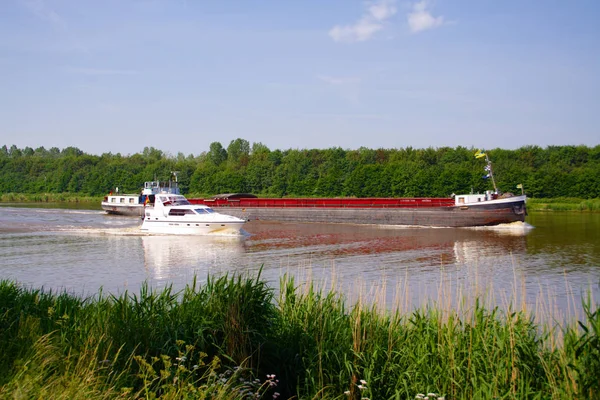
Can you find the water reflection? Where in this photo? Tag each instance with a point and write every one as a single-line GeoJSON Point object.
{"type": "Point", "coordinates": [177, 258]}
{"type": "Point", "coordinates": [345, 241]}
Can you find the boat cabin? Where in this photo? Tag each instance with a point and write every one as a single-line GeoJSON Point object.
{"type": "Point", "coordinates": [463, 199]}
{"type": "Point", "coordinates": [126, 199]}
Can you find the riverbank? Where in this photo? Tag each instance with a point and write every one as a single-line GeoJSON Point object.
{"type": "Point", "coordinates": [563, 204]}
{"type": "Point", "coordinates": [533, 204]}
{"type": "Point", "coordinates": [235, 338]}
{"type": "Point", "coordinates": [49, 198]}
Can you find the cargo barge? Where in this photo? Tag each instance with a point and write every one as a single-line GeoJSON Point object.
{"type": "Point", "coordinates": [458, 211]}
{"type": "Point", "coordinates": [465, 210]}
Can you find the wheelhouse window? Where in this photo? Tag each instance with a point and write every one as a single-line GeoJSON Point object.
{"type": "Point", "coordinates": [122, 200]}
{"type": "Point", "coordinates": [206, 210]}
{"type": "Point", "coordinates": [131, 200]}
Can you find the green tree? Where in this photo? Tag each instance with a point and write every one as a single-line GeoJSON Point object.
{"type": "Point", "coordinates": [217, 154]}
{"type": "Point", "coordinates": [238, 152]}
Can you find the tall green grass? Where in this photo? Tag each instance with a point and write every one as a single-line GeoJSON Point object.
{"type": "Point", "coordinates": [234, 338]}
{"type": "Point", "coordinates": [563, 204]}
{"type": "Point", "coordinates": [48, 198]}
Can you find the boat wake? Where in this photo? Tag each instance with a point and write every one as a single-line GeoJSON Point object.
{"type": "Point", "coordinates": [119, 231]}
{"type": "Point", "coordinates": [135, 231]}
{"type": "Point", "coordinates": [511, 229]}
{"type": "Point", "coordinates": [410, 226]}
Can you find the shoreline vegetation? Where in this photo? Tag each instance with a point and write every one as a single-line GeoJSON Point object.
{"type": "Point", "coordinates": [533, 204]}
{"type": "Point", "coordinates": [244, 167]}
{"type": "Point", "coordinates": [233, 337]}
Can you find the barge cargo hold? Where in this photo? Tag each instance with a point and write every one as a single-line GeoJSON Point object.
{"type": "Point", "coordinates": [461, 211]}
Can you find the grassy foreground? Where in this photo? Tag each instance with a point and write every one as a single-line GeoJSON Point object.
{"type": "Point", "coordinates": [232, 338]}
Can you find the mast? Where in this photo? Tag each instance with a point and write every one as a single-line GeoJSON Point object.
{"type": "Point", "coordinates": [491, 172]}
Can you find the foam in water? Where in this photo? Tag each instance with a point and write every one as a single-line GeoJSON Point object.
{"type": "Point", "coordinates": [135, 231]}
{"type": "Point", "coordinates": [517, 228]}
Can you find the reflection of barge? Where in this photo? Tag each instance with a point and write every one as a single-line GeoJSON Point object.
{"type": "Point", "coordinates": [461, 211]}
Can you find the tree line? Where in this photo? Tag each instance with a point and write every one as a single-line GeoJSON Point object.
{"type": "Point", "coordinates": [554, 171]}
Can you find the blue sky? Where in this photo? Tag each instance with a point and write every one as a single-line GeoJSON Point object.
{"type": "Point", "coordinates": [119, 75]}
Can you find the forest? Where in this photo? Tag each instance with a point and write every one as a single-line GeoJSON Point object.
{"type": "Point", "coordinates": [554, 171]}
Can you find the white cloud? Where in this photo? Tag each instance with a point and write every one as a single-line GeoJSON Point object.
{"type": "Point", "coordinates": [98, 71]}
{"type": "Point", "coordinates": [382, 10]}
{"type": "Point", "coordinates": [420, 19]}
{"type": "Point", "coordinates": [39, 8]}
{"type": "Point", "coordinates": [371, 22]}
{"type": "Point", "coordinates": [338, 81]}
{"type": "Point", "coordinates": [347, 88]}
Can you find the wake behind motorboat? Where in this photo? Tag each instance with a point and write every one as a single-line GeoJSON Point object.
{"type": "Point", "coordinates": [174, 214]}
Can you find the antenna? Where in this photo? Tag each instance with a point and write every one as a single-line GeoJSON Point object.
{"type": "Point", "coordinates": [489, 164]}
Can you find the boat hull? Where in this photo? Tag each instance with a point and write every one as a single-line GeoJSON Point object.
{"type": "Point", "coordinates": [191, 228]}
{"type": "Point", "coordinates": [446, 216]}
{"type": "Point", "coordinates": [123, 209]}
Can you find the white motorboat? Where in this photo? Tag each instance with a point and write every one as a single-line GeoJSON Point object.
{"type": "Point", "coordinates": [174, 214]}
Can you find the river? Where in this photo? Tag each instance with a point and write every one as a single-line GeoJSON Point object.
{"type": "Point", "coordinates": [545, 265]}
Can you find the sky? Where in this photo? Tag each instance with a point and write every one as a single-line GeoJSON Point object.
{"type": "Point", "coordinates": [121, 75]}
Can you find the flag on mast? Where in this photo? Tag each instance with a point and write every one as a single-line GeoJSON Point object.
{"type": "Point", "coordinates": [520, 186]}
{"type": "Point", "coordinates": [479, 154]}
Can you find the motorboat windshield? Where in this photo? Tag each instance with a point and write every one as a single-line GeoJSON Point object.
{"type": "Point", "coordinates": [174, 200]}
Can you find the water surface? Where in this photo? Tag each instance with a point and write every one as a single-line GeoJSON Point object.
{"type": "Point", "coordinates": [545, 264]}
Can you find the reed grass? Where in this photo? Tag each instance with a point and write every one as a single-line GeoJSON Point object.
{"type": "Point", "coordinates": [49, 198]}
{"type": "Point", "coordinates": [234, 338]}
{"type": "Point", "coordinates": [563, 204]}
